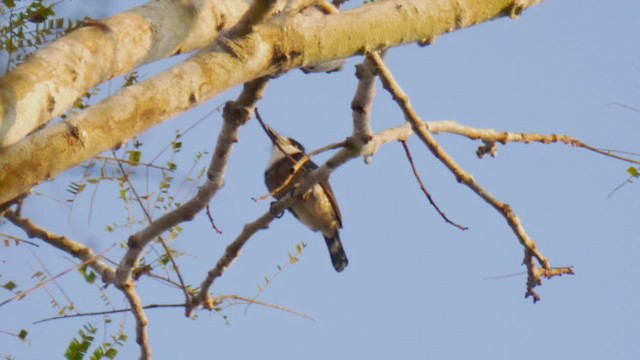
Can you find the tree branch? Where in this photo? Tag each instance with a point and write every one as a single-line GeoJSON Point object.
{"type": "Point", "coordinates": [142, 337]}
{"type": "Point", "coordinates": [531, 251]}
{"type": "Point", "coordinates": [235, 115]}
{"type": "Point", "coordinates": [490, 137]}
{"type": "Point", "coordinates": [362, 102]}
{"type": "Point", "coordinates": [51, 79]}
{"type": "Point", "coordinates": [75, 249]}
{"type": "Point", "coordinates": [277, 45]}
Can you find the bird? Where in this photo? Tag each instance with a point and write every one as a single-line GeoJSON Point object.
{"type": "Point", "coordinates": [318, 208]}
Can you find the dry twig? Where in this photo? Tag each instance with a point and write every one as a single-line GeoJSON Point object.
{"type": "Point", "coordinates": [424, 188]}
{"type": "Point", "coordinates": [420, 128]}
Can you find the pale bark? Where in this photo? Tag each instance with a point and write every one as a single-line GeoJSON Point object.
{"type": "Point", "coordinates": [48, 83]}
{"type": "Point", "coordinates": [284, 42]}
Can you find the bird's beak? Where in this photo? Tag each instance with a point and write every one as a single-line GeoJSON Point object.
{"type": "Point", "coordinates": [274, 136]}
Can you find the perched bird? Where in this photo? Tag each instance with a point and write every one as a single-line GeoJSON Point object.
{"type": "Point", "coordinates": [318, 208]}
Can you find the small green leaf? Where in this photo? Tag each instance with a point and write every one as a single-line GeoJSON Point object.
{"type": "Point", "coordinates": [134, 157]}
{"type": "Point", "coordinates": [111, 353]}
{"type": "Point", "coordinates": [89, 276]}
{"type": "Point", "coordinates": [633, 171]}
{"type": "Point", "coordinates": [76, 188]}
{"type": "Point", "coordinates": [23, 334]}
{"type": "Point", "coordinates": [10, 285]}
{"type": "Point", "coordinates": [9, 3]}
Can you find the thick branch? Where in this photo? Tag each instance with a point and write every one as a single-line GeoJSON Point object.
{"type": "Point", "coordinates": [282, 43]}
{"type": "Point", "coordinates": [50, 80]}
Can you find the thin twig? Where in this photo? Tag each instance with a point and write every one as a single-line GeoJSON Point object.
{"type": "Point", "coordinates": [18, 240]}
{"type": "Point", "coordinates": [129, 162]}
{"type": "Point", "coordinates": [217, 300]}
{"type": "Point", "coordinates": [424, 188]}
{"type": "Point", "coordinates": [52, 279]}
{"type": "Point", "coordinates": [491, 136]}
{"type": "Point", "coordinates": [269, 280]}
{"type": "Point", "coordinates": [262, 303]}
{"type": "Point", "coordinates": [166, 248]}
{"type": "Point", "coordinates": [628, 181]}
{"type": "Point", "coordinates": [57, 285]}
{"type": "Point", "coordinates": [213, 224]}
{"type": "Point", "coordinates": [107, 312]}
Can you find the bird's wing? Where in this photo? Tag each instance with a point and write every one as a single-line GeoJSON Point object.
{"type": "Point", "coordinates": [326, 187]}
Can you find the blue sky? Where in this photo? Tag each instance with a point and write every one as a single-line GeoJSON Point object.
{"type": "Point", "coordinates": [415, 287]}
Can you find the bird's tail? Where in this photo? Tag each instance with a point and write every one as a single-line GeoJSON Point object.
{"type": "Point", "coordinates": [336, 251]}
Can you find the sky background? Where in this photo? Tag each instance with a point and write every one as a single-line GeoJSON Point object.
{"type": "Point", "coordinates": [416, 287]}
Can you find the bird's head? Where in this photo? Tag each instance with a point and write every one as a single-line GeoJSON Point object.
{"type": "Point", "coordinates": [282, 145]}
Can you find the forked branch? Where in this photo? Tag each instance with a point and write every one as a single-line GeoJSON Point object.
{"type": "Point", "coordinates": [420, 128]}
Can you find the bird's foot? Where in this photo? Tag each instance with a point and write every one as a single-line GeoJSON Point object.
{"type": "Point", "coordinates": [278, 215]}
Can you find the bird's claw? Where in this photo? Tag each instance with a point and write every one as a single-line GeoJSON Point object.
{"type": "Point", "coordinates": [277, 215]}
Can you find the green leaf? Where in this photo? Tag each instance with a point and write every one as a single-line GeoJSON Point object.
{"type": "Point", "coordinates": [76, 188]}
{"type": "Point", "coordinates": [123, 194]}
{"type": "Point", "coordinates": [10, 285]}
{"type": "Point", "coordinates": [78, 347]}
{"type": "Point", "coordinates": [9, 3]}
{"type": "Point", "coordinates": [633, 171]}
{"type": "Point", "coordinates": [134, 157]}
{"type": "Point", "coordinates": [111, 353]}
{"type": "Point", "coordinates": [22, 335]}
{"type": "Point", "coordinates": [131, 79]}
{"type": "Point", "coordinates": [89, 276]}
